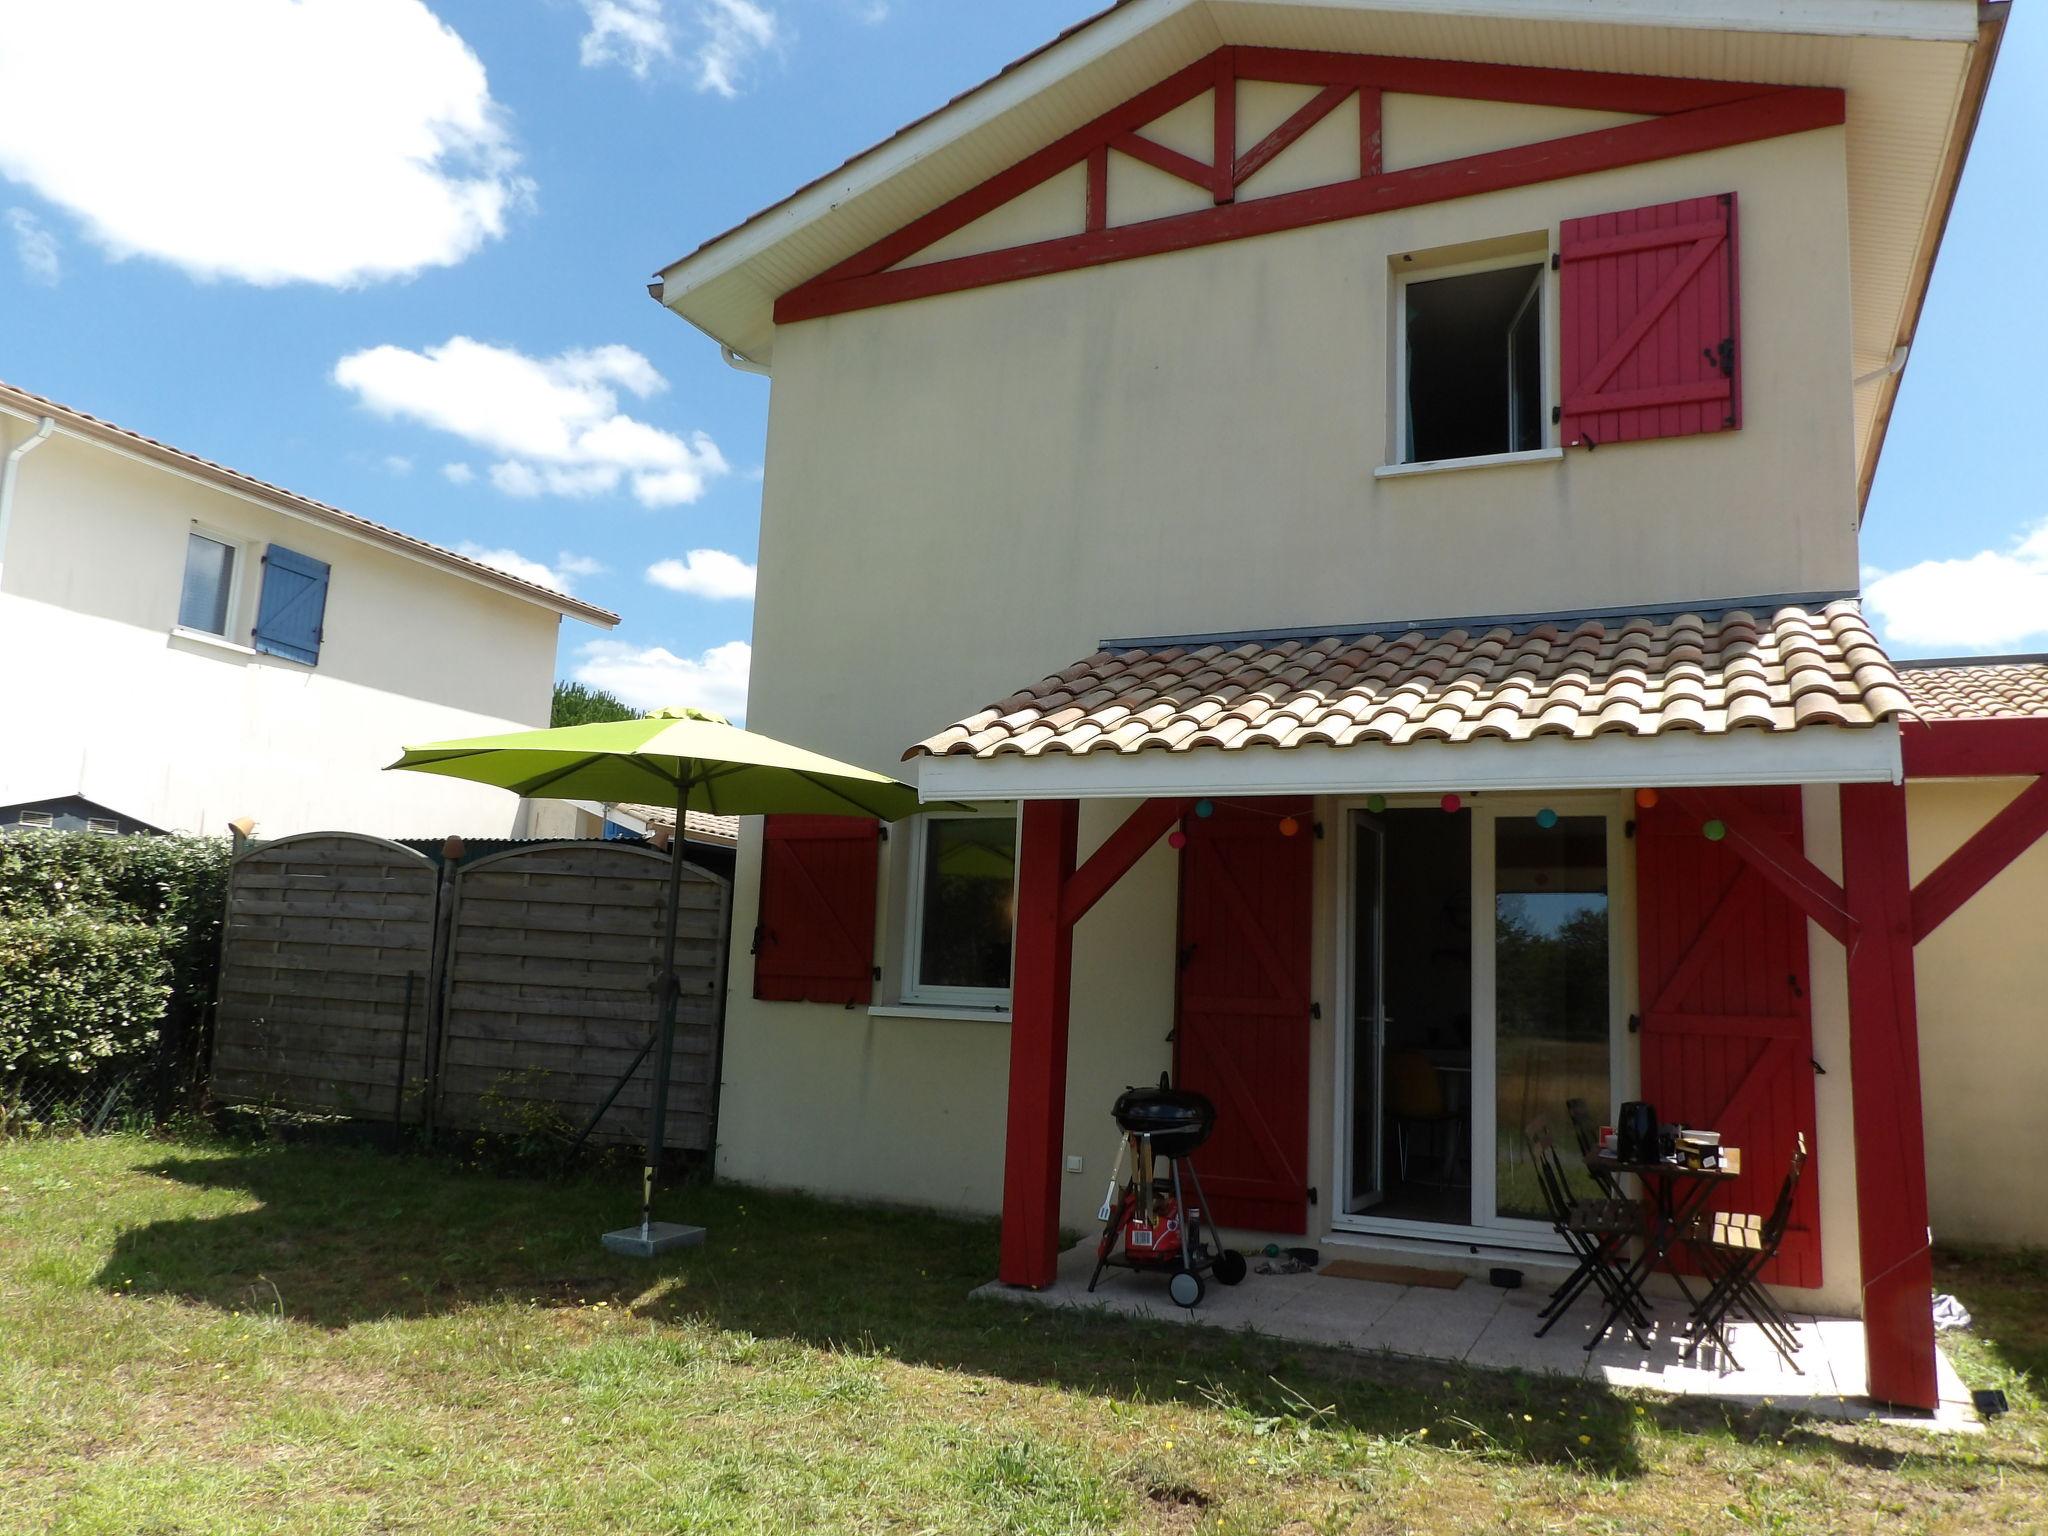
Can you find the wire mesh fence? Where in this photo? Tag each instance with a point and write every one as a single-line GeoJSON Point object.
{"type": "Point", "coordinates": [119, 1100]}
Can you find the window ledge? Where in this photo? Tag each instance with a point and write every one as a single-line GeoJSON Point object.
{"type": "Point", "coordinates": [964, 1013]}
{"type": "Point", "coordinates": [215, 642]}
{"type": "Point", "coordinates": [1479, 461]}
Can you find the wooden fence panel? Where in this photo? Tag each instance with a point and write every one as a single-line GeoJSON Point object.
{"type": "Point", "coordinates": [323, 932]}
{"type": "Point", "coordinates": [555, 952]}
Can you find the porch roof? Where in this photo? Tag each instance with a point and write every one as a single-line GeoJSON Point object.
{"type": "Point", "coordinates": [1978, 687]}
{"type": "Point", "coordinates": [1708, 673]}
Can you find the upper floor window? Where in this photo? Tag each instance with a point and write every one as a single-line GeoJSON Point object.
{"type": "Point", "coordinates": [1472, 361]}
{"type": "Point", "coordinates": [206, 601]}
{"type": "Point", "coordinates": [962, 909]}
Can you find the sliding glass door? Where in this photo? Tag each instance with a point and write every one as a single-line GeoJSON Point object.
{"type": "Point", "coordinates": [1485, 990]}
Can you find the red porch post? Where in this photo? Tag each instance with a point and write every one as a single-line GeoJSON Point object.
{"type": "Point", "coordinates": [1038, 1044]}
{"type": "Point", "coordinates": [1884, 1064]}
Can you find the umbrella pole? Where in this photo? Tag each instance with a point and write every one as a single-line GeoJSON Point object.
{"type": "Point", "coordinates": [657, 1121]}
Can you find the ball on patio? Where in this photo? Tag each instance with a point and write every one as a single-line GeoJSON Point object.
{"type": "Point", "coordinates": [1176, 838]}
{"type": "Point", "coordinates": [1646, 798]}
{"type": "Point", "coordinates": [1453, 802]}
{"type": "Point", "coordinates": [1375, 803]}
{"type": "Point", "coordinates": [1205, 808]}
{"type": "Point", "coordinates": [1714, 831]}
{"type": "Point", "coordinates": [1546, 818]}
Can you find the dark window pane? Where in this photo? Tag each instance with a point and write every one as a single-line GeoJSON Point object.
{"type": "Point", "coordinates": [1551, 994]}
{"type": "Point", "coordinates": [970, 871]}
{"type": "Point", "coordinates": [1475, 355]}
{"type": "Point", "coordinates": [209, 573]}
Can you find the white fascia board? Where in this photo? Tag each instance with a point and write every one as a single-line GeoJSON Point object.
{"type": "Point", "coordinates": [893, 156]}
{"type": "Point", "coordinates": [1947, 21]}
{"type": "Point", "coordinates": [1813, 755]}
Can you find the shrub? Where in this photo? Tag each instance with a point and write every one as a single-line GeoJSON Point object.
{"type": "Point", "coordinates": [78, 993]}
{"type": "Point", "coordinates": [109, 947]}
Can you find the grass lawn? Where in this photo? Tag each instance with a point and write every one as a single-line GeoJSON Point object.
{"type": "Point", "coordinates": [221, 1337]}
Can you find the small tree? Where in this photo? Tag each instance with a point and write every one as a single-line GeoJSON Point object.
{"type": "Point", "coordinates": [580, 704]}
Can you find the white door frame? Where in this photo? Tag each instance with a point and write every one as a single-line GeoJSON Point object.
{"type": "Point", "coordinates": [1489, 1231]}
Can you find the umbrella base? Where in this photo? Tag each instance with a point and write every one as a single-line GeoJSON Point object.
{"type": "Point", "coordinates": [653, 1240]}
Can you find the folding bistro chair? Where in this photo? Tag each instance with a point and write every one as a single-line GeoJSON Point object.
{"type": "Point", "coordinates": [1598, 1233]}
{"type": "Point", "coordinates": [1736, 1249]}
{"type": "Point", "coordinates": [1587, 1130]}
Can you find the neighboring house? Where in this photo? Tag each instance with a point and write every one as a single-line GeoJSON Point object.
{"type": "Point", "coordinates": [197, 647]}
{"type": "Point", "coordinates": [1397, 474]}
{"type": "Point", "coordinates": [71, 813]}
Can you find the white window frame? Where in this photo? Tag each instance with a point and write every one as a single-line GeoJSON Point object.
{"type": "Point", "coordinates": [44, 820]}
{"type": "Point", "coordinates": [1484, 1227]}
{"type": "Point", "coordinates": [236, 576]}
{"type": "Point", "coordinates": [1546, 338]}
{"type": "Point", "coordinates": [913, 990]}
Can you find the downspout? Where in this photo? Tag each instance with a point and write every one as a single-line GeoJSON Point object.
{"type": "Point", "coordinates": [12, 471]}
{"type": "Point", "coordinates": [742, 362]}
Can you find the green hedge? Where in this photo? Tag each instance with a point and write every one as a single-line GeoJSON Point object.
{"type": "Point", "coordinates": [108, 952]}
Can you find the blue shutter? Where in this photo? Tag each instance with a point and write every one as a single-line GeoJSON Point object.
{"type": "Point", "coordinates": [294, 604]}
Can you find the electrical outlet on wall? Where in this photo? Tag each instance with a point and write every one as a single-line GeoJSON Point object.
{"type": "Point", "coordinates": [1075, 1162]}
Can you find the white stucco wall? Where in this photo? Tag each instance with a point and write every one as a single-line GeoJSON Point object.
{"type": "Point", "coordinates": [965, 493]}
{"type": "Point", "coordinates": [102, 700]}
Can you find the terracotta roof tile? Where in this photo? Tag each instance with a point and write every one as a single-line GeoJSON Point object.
{"type": "Point", "coordinates": [1702, 673]}
{"type": "Point", "coordinates": [1998, 687]}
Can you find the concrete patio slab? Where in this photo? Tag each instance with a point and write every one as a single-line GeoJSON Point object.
{"type": "Point", "coordinates": [1478, 1325]}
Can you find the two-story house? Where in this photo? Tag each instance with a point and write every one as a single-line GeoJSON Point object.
{"type": "Point", "coordinates": [1374, 486]}
{"type": "Point", "coordinates": [183, 646]}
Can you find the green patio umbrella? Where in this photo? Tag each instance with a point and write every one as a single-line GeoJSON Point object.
{"type": "Point", "coordinates": [690, 759]}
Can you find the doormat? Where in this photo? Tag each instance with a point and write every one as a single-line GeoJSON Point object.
{"type": "Point", "coordinates": [1393, 1274]}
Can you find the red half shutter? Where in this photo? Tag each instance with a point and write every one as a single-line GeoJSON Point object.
{"type": "Point", "coordinates": [815, 942]}
{"type": "Point", "coordinates": [1727, 1024]}
{"type": "Point", "coordinates": [1649, 343]}
{"type": "Point", "coordinates": [1241, 1030]}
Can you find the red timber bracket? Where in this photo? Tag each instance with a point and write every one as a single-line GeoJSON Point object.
{"type": "Point", "coordinates": [1950, 749]}
{"type": "Point", "coordinates": [1052, 896]}
{"type": "Point", "coordinates": [1680, 117]}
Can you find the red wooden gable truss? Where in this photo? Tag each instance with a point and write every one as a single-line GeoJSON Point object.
{"type": "Point", "coordinates": [1681, 117]}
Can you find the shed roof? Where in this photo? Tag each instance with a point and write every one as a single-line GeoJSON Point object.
{"type": "Point", "coordinates": [1709, 673]}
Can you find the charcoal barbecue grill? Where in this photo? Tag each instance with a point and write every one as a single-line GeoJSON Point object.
{"type": "Point", "coordinates": [1149, 1224]}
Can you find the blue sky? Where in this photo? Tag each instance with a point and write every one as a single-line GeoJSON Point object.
{"type": "Point", "coordinates": [257, 268]}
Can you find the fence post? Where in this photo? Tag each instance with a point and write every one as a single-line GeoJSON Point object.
{"type": "Point", "coordinates": [437, 981]}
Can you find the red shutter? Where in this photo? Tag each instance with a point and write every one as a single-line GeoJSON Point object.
{"type": "Point", "coordinates": [1241, 1031]}
{"type": "Point", "coordinates": [1649, 334]}
{"type": "Point", "coordinates": [1727, 1024]}
{"type": "Point", "coordinates": [815, 942]}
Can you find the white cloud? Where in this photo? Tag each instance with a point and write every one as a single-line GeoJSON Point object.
{"type": "Point", "coordinates": [35, 247]}
{"type": "Point", "coordinates": [457, 473]}
{"type": "Point", "coordinates": [274, 141]}
{"type": "Point", "coordinates": [1993, 600]}
{"type": "Point", "coordinates": [555, 419]}
{"type": "Point", "coordinates": [705, 573]}
{"type": "Point", "coordinates": [634, 34]}
{"type": "Point", "coordinates": [735, 33]}
{"type": "Point", "coordinates": [555, 578]}
{"type": "Point", "coordinates": [397, 464]}
{"type": "Point", "coordinates": [651, 678]}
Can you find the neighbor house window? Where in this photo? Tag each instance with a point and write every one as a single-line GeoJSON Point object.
{"type": "Point", "coordinates": [1472, 370]}
{"type": "Point", "coordinates": [103, 826]}
{"type": "Point", "coordinates": [43, 819]}
{"type": "Point", "coordinates": [209, 584]}
{"type": "Point", "coordinates": [963, 909]}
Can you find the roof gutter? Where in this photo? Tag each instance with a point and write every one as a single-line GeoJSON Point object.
{"type": "Point", "coordinates": [12, 471]}
{"type": "Point", "coordinates": [1991, 18]}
